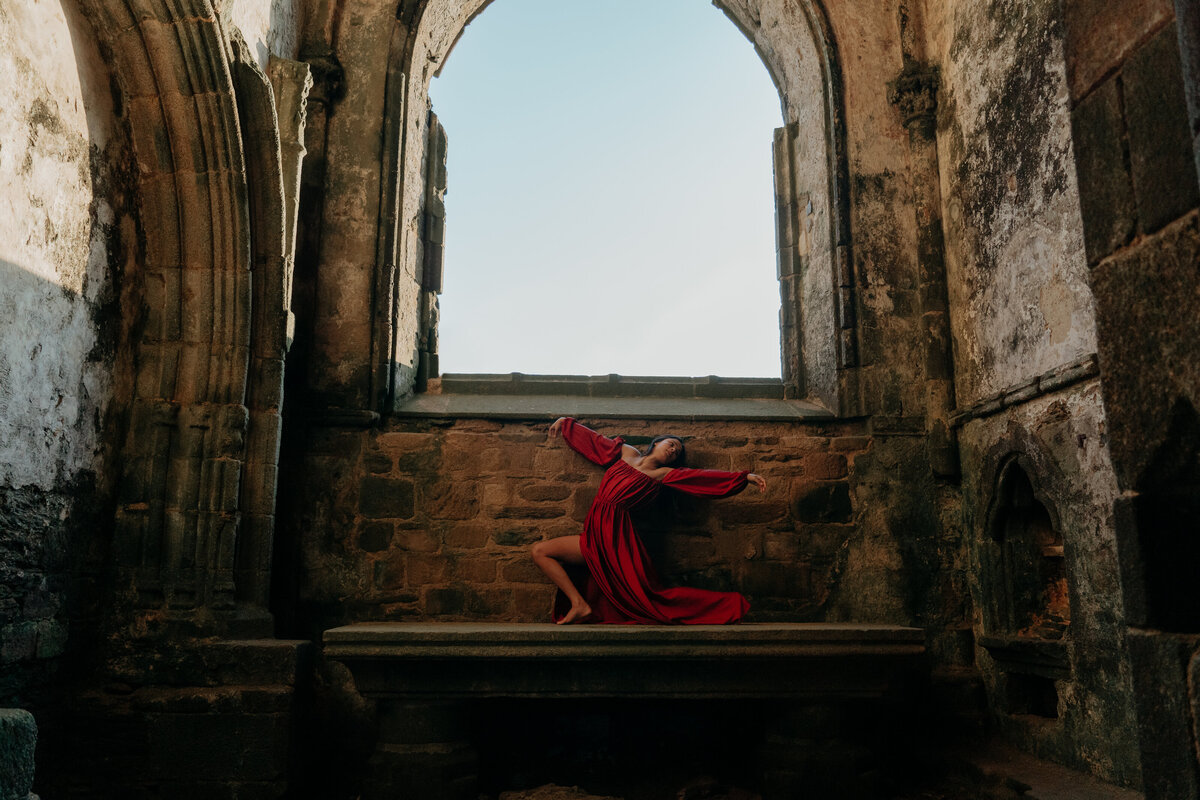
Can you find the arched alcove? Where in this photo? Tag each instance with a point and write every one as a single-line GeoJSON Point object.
{"type": "Point", "coordinates": [818, 319]}
{"type": "Point", "coordinates": [1023, 587]}
{"type": "Point", "coordinates": [1031, 587]}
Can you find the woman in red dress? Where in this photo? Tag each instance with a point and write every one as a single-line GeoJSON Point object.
{"type": "Point", "coordinates": [622, 585]}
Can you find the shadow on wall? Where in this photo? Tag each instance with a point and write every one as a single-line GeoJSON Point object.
{"type": "Point", "coordinates": [1167, 508]}
{"type": "Point", "coordinates": [55, 515]}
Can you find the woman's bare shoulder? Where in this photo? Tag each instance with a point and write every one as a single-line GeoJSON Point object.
{"type": "Point", "coordinates": [629, 452]}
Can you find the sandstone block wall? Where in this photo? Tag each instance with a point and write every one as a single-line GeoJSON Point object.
{"type": "Point", "coordinates": [435, 519]}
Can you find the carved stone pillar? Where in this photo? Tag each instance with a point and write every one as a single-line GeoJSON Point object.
{"type": "Point", "coordinates": [914, 93]}
{"type": "Point", "coordinates": [791, 247]}
{"type": "Point", "coordinates": [273, 136]}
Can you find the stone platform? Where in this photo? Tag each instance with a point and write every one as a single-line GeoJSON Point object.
{"type": "Point", "coordinates": [423, 678]}
{"type": "Point", "coordinates": [455, 659]}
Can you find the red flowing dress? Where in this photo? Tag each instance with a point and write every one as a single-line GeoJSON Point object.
{"type": "Point", "coordinates": [622, 585]}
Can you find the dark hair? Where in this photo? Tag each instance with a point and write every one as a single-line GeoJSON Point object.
{"type": "Point", "coordinates": [679, 457]}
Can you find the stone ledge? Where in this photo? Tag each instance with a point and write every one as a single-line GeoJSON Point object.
{"type": "Point", "coordinates": [1062, 377]}
{"type": "Point", "coordinates": [546, 397]}
{"type": "Point", "coordinates": [816, 660]}
{"type": "Point", "coordinates": [549, 407]}
{"type": "Point", "coordinates": [612, 385]}
{"type": "Point", "coordinates": [545, 640]}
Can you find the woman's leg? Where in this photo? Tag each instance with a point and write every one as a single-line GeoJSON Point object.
{"type": "Point", "coordinates": [550, 557]}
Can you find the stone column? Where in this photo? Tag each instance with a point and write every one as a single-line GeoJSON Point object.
{"type": "Point", "coordinates": [273, 125]}
{"type": "Point", "coordinates": [914, 93]}
{"type": "Point", "coordinates": [791, 246]}
{"type": "Point", "coordinates": [433, 242]}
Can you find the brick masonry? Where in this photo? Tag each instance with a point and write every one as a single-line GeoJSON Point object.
{"type": "Point", "coordinates": [435, 519]}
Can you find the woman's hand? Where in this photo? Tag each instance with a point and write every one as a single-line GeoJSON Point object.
{"type": "Point", "coordinates": [556, 428]}
{"type": "Point", "coordinates": [758, 481]}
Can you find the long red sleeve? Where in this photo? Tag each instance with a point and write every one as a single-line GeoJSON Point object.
{"type": "Point", "coordinates": [589, 444]}
{"type": "Point", "coordinates": [706, 482]}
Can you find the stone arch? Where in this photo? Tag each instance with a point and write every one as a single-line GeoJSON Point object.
{"type": "Point", "coordinates": [819, 321]}
{"type": "Point", "coordinates": [1017, 457]}
{"type": "Point", "coordinates": [1023, 582]}
{"type": "Point", "coordinates": [178, 499]}
{"type": "Point", "coordinates": [1020, 508]}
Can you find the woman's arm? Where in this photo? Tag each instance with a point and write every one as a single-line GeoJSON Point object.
{"type": "Point", "coordinates": [585, 441]}
{"type": "Point", "coordinates": [712, 482]}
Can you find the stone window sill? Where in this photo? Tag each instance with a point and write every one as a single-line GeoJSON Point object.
{"type": "Point", "coordinates": [547, 397]}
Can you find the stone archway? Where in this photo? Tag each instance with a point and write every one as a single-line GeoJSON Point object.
{"type": "Point", "coordinates": [370, 364]}
{"type": "Point", "coordinates": [213, 300]}
{"type": "Point", "coordinates": [795, 42]}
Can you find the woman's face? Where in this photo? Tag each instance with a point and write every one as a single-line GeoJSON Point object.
{"type": "Point", "coordinates": [667, 450]}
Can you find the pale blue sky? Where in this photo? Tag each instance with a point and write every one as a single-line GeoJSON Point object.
{"type": "Point", "coordinates": [610, 201]}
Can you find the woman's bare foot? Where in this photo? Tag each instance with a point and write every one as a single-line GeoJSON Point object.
{"type": "Point", "coordinates": [578, 613]}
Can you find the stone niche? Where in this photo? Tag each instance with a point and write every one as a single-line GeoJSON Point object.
{"type": "Point", "coordinates": [1026, 609]}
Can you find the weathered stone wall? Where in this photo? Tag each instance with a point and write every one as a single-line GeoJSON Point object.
{"type": "Point", "coordinates": [110, 170]}
{"type": "Point", "coordinates": [1021, 308]}
{"type": "Point", "coordinates": [883, 227]}
{"type": "Point", "coordinates": [1132, 73]}
{"type": "Point", "coordinates": [1060, 438]}
{"type": "Point", "coordinates": [67, 231]}
{"type": "Point", "coordinates": [1069, 198]}
{"type": "Point", "coordinates": [907, 565]}
{"type": "Point", "coordinates": [1017, 275]}
{"type": "Point", "coordinates": [435, 519]}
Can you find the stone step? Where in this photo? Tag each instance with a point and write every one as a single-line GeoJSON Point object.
{"type": "Point", "coordinates": [255, 661]}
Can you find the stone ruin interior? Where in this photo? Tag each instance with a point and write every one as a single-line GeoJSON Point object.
{"type": "Point", "coordinates": [253, 542]}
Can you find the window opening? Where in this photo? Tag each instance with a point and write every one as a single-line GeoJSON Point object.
{"type": "Point", "coordinates": [631, 226]}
